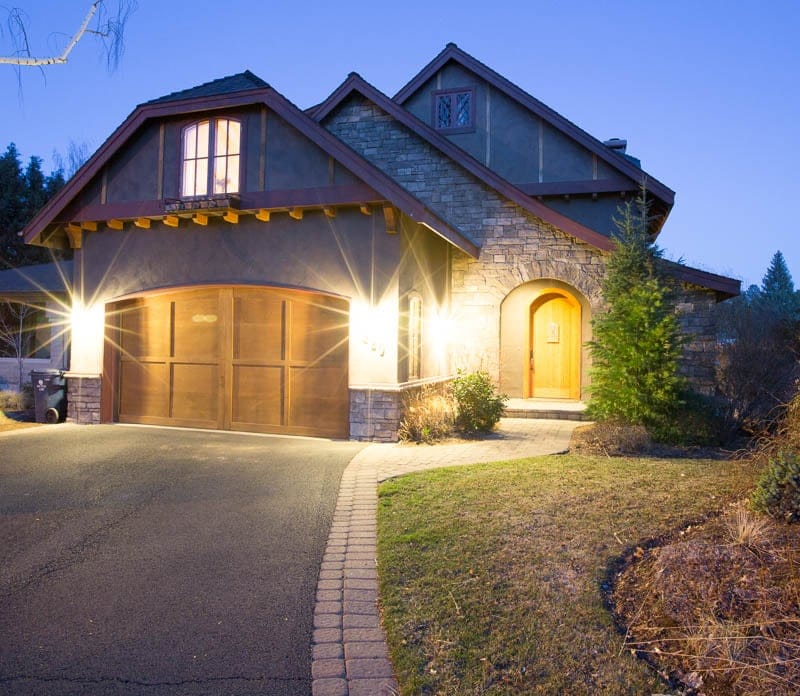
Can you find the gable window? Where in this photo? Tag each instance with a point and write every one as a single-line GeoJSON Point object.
{"type": "Point", "coordinates": [211, 157]}
{"type": "Point", "coordinates": [453, 109]}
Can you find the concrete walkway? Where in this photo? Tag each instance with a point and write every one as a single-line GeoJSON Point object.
{"type": "Point", "coordinates": [350, 657]}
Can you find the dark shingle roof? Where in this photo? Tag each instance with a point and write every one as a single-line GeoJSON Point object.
{"type": "Point", "coordinates": [43, 277]}
{"type": "Point", "coordinates": [224, 85]}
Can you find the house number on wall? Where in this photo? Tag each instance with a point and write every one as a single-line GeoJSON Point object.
{"type": "Point", "coordinates": [553, 332]}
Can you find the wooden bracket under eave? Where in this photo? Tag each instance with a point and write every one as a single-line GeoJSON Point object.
{"type": "Point", "coordinates": [75, 234]}
{"type": "Point", "coordinates": [172, 220]}
{"type": "Point", "coordinates": [200, 219]}
{"type": "Point", "coordinates": [89, 226]}
{"type": "Point", "coordinates": [231, 216]}
{"type": "Point", "coordinates": [329, 212]}
{"type": "Point", "coordinates": [365, 209]}
{"type": "Point", "coordinates": [142, 222]}
{"type": "Point", "coordinates": [296, 213]}
{"type": "Point", "coordinates": [262, 215]}
{"type": "Point", "coordinates": [390, 217]}
{"type": "Point", "coordinates": [115, 224]}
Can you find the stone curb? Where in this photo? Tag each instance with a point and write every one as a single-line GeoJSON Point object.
{"type": "Point", "coordinates": [349, 652]}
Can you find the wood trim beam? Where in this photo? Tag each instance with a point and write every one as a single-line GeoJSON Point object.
{"type": "Point", "coordinates": [231, 216]}
{"type": "Point", "coordinates": [262, 215]}
{"type": "Point", "coordinates": [329, 211]}
{"type": "Point", "coordinates": [172, 220]}
{"type": "Point", "coordinates": [200, 219]}
{"type": "Point", "coordinates": [390, 218]}
{"type": "Point", "coordinates": [142, 222]}
{"type": "Point", "coordinates": [75, 235]}
{"type": "Point", "coordinates": [89, 226]}
{"type": "Point", "coordinates": [296, 213]}
{"type": "Point", "coordinates": [114, 224]}
{"type": "Point", "coordinates": [365, 209]}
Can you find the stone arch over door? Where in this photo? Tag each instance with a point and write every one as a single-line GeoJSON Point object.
{"type": "Point", "coordinates": [532, 318]}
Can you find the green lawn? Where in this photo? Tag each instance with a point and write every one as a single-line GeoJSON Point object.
{"type": "Point", "coordinates": [491, 575]}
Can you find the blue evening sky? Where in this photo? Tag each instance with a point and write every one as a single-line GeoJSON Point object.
{"type": "Point", "coordinates": [706, 93]}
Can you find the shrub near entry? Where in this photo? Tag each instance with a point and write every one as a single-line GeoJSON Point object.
{"type": "Point", "coordinates": [479, 407]}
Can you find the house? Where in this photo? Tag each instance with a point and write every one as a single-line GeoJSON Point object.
{"type": "Point", "coordinates": [34, 321]}
{"type": "Point", "coordinates": [247, 265]}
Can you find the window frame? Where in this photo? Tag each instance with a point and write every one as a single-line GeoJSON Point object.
{"type": "Point", "coordinates": [211, 158]}
{"type": "Point", "coordinates": [452, 94]}
{"type": "Point", "coordinates": [415, 328]}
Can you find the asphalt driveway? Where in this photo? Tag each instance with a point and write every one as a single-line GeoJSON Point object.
{"type": "Point", "coordinates": [161, 561]}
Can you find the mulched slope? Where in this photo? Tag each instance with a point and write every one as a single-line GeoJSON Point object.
{"type": "Point", "coordinates": [716, 609]}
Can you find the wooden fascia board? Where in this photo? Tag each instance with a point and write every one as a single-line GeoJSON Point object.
{"type": "Point", "coordinates": [489, 177]}
{"type": "Point", "coordinates": [559, 188]}
{"type": "Point", "coordinates": [729, 287]}
{"type": "Point", "coordinates": [348, 194]}
{"type": "Point", "coordinates": [555, 119]}
{"type": "Point", "coordinates": [124, 131]}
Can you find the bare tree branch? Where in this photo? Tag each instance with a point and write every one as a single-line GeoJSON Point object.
{"type": "Point", "coordinates": [109, 28]}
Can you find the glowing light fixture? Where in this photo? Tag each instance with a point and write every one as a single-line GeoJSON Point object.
{"type": "Point", "coordinates": [88, 324]}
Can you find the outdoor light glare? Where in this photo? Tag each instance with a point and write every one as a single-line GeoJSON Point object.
{"type": "Point", "coordinates": [87, 338]}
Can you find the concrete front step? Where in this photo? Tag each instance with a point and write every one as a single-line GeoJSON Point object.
{"type": "Point", "coordinates": [548, 414]}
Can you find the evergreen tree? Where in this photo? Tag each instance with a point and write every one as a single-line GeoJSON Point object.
{"type": "Point", "coordinates": [637, 340]}
{"type": "Point", "coordinates": [22, 194]}
{"type": "Point", "coordinates": [777, 290]}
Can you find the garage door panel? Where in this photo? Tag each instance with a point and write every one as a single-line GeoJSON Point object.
{"type": "Point", "coordinates": [195, 392]}
{"type": "Point", "coordinates": [145, 329]}
{"type": "Point", "coordinates": [196, 327]}
{"type": "Point", "coordinates": [319, 329]}
{"type": "Point", "coordinates": [257, 395]}
{"type": "Point", "coordinates": [146, 389]}
{"type": "Point", "coordinates": [258, 332]}
{"type": "Point", "coordinates": [270, 360]}
{"type": "Point", "coordinates": [319, 399]}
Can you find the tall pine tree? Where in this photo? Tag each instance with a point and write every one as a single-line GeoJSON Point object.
{"type": "Point", "coordinates": [777, 290]}
{"type": "Point", "coordinates": [637, 340]}
{"type": "Point", "coordinates": [22, 194]}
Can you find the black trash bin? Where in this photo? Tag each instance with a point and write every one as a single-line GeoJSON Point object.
{"type": "Point", "coordinates": [50, 395]}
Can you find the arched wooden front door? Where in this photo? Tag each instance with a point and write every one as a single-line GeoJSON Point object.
{"type": "Point", "coordinates": [555, 342]}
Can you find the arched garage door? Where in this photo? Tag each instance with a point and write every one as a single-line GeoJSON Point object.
{"type": "Point", "coordinates": [235, 358]}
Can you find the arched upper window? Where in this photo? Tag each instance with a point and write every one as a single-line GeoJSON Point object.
{"type": "Point", "coordinates": [211, 157]}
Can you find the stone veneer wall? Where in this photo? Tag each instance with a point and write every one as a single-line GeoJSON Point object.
{"type": "Point", "coordinates": [516, 247]}
{"type": "Point", "coordinates": [697, 312]}
{"type": "Point", "coordinates": [375, 414]}
{"type": "Point", "coordinates": [83, 400]}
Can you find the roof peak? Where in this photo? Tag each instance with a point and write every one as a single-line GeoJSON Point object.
{"type": "Point", "coordinates": [238, 82]}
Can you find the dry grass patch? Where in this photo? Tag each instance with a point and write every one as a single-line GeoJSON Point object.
{"type": "Point", "coordinates": [492, 575]}
{"type": "Point", "coordinates": [718, 607]}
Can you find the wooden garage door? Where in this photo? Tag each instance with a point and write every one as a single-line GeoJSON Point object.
{"type": "Point", "coordinates": [254, 359]}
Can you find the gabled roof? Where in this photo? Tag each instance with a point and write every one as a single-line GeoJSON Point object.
{"type": "Point", "coordinates": [356, 84]}
{"type": "Point", "coordinates": [224, 85]}
{"type": "Point", "coordinates": [269, 97]}
{"type": "Point", "coordinates": [616, 160]}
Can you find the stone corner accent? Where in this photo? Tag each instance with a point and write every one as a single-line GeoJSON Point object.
{"type": "Point", "coordinates": [83, 400]}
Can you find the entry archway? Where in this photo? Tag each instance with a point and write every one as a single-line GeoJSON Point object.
{"type": "Point", "coordinates": [543, 327]}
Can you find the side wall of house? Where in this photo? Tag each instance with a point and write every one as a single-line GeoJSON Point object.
{"type": "Point", "coordinates": [697, 312]}
{"type": "Point", "coordinates": [516, 247]}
